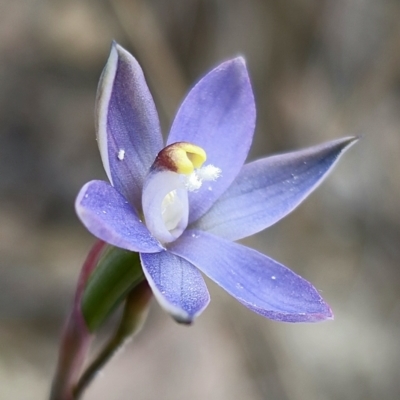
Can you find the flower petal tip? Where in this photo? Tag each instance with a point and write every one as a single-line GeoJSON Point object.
{"type": "Point", "coordinates": [329, 316]}
{"type": "Point", "coordinates": [238, 63]}
{"type": "Point", "coordinates": [117, 52]}
{"type": "Point", "coordinates": [322, 316]}
{"type": "Point", "coordinates": [321, 312]}
{"type": "Point", "coordinates": [115, 47]}
{"type": "Point", "coordinates": [180, 316]}
{"type": "Point", "coordinates": [183, 321]}
{"type": "Point", "coordinates": [240, 60]}
{"type": "Point", "coordinates": [325, 315]}
{"type": "Point", "coordinates": [187, 319]}
{"type": "Point", "coordinates": [350, 140]}
{"type": "Point", "coordinates": [343, 144]}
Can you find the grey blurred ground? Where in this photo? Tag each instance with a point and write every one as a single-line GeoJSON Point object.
{"type": "Point", "coordinates": [320, 70]}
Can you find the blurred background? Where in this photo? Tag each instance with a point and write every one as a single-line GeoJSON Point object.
{"type": "Point", "coordinates": [320, 70]}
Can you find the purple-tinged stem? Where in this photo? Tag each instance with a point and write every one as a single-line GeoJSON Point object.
{"type": "Point", "coordinates": [76, 338]}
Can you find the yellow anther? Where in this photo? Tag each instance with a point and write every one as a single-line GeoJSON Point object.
{"type": "Point", "coordinates": [187, 157]}
{"type": "Point", "coordinates": [181, 157]}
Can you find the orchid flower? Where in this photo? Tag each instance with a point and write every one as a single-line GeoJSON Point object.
{"type": "Point", "coordinates": [183, 204]}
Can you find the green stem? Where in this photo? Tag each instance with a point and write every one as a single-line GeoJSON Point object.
{"type": "Point", "coordinates": [132, 320]}
{"type": "Point", "coordinates": [76, 338]}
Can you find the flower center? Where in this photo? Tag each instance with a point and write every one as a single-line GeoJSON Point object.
{"type": "Point", "coordinates": [177, 169]}
{"type": "Point", "coordinates": [172, 209]}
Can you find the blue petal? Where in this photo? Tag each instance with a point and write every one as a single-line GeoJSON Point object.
{"type": "Point", "coordinates": [128, 129]}
{"type": "Point", "coordinates": [267, 190]}
{"type": "Point", "coordinates": [107, 215]}
{"type": "Point", "coordinates": [258, 282]}
{"type": "Point", "coordinates": [218, 115]}
{"type": "Point", "coordinates": [177, 285]}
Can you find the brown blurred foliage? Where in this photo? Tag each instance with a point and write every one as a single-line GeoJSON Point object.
{"type": "Point", "coordinates": [320, 69]}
